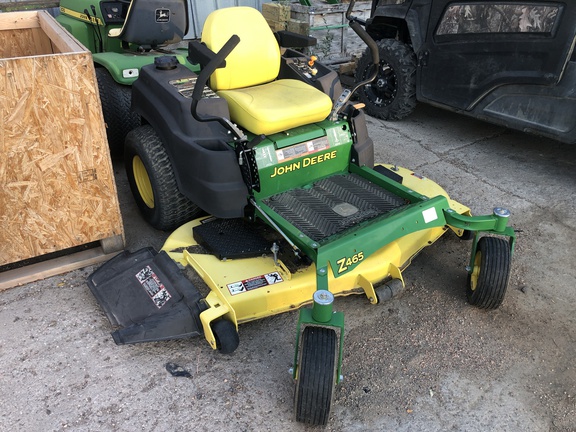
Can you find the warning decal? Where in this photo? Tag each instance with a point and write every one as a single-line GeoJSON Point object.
{"type": "Point", "coordinates": [306, 148]}
{"type": "Point", "coordinates": [255, 283]}
{"type": "Point", "coordinates": [153, 286]}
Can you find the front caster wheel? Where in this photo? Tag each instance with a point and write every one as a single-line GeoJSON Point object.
{"type": "Point", "coordinates": [488, 280]}
{"type": "Point", "coordinates": [316, 375]}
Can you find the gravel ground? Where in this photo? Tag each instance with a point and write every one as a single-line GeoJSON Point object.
{"type": "Point", "coordinates": [425, 361]}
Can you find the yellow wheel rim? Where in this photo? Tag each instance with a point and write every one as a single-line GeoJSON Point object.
{"type": "Point", "coordinates": [143, 182]}
{"type": "Point", "coordinates": [475, 271]}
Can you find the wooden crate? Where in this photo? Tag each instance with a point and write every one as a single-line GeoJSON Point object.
{"type": "Point", "coordinates": [57, 188]}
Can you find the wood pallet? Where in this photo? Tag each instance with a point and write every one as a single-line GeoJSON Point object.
{"type": "Point", "coordinates": [44, 269]}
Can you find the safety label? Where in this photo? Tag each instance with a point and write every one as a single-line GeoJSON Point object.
{"type": "Point", "coordinates": [153, 286]}
{"type": "Point", "coordinates": [254, 283]}
{"type": "Point", "coordinates": [306, 148]}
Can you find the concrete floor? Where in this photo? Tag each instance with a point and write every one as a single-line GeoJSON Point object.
{"type": "Point", "coordinates": [425, 361]}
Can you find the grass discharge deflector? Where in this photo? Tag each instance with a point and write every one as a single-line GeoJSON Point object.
{"type": "Point", "coordinates": [266, 172]}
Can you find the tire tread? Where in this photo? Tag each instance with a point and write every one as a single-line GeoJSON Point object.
{"type": "Point", "coordinates": [403, 60]}
{"type": "Point", "coordinates": [494, 274]}
{"type": "Point", "coordinates": [171, 208]}
{"type": "Point", "coordinates": [316, 376]}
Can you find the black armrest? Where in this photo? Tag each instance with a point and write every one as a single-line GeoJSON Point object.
{"type": "Point", "coordinates": [198, 53]}
{"type": "Point", "coordinates": [290, 39]}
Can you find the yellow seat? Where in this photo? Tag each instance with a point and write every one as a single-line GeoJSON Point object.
{"type": "Point", "coordinates": [257, 101]}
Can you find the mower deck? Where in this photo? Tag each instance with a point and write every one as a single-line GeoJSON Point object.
{"type": "Point", "coordinates": [250, 288]}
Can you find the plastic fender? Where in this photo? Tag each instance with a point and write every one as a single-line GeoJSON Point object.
{"type": "Point", "coordinates": [398, 13]}
{"type": "Point", "coordinates": [125, 68]}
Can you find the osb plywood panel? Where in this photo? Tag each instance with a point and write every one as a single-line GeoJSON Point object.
{"type": "Point", "coordinates": [24, 42]}
{"type": "Point", "coordinates": [56, 183]}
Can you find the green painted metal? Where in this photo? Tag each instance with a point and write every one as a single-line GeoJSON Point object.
{"type": "Point", "coordinates": [491, 223]}
{"type": "Point", "coordinates": [305, 318]}
{"type": "Point", "coordinates": [92, 31]}
{"type": "Point", "coordinates": [297, 135]}
{"type": "Point", "coordinates": [323, 305]}
{"type": "Point", "coordinates": [368, 237]}
{"type": "Point", "coordinates": [342, 252]}
{"type": "Point", "coordinates": [323, 150]}
{"type": "Point", "coordinates": [125, 68]}
{"type": "Point", "coordinates": [387, 183]}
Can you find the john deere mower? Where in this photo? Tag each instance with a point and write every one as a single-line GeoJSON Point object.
{"type": "Point", "coordinates": [123, 36]}
{"type": "Point", "coordinates": [267, 170]}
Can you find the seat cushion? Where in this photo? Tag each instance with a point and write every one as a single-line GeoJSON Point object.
{"type": "Point", "coordinates": [255, 60]}
{"type": "Point", "coordinates": [276, 106]}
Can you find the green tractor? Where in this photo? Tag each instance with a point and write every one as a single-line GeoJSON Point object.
{"type": "Point", "coordinates": [123, 36]}
{"type": "Point", "coordinates": [266, 170]}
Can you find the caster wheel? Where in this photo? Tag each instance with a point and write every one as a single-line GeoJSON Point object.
{"type": "Point", "coordinates": [316, 376]}
{"type": "Point", "coordinates": [488, 281]}
{"type": "Point", "coordinates": [227, 339]}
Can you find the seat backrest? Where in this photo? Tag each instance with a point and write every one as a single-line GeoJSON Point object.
{"type": "Point", "coordinates": [150, 23]}
{"type": "Point", "coordinates": [255, 60]}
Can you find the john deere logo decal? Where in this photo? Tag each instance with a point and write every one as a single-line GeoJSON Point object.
{"type": "Point", "coordinates": [162, 15]}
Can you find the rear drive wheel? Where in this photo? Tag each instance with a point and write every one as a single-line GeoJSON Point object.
{"type": "Point", "coordinates": [227, 339]}
{"type": "Point", "coordinates": [488, 281]}
{"type": "Point", "coordinates": [153, 182]}
{"type": "Point", "coordinates": [392, 95]}
{"type": "Point", "coordinates": [316, 375]}
{"type": "Point", "coordinates": [116, 102]}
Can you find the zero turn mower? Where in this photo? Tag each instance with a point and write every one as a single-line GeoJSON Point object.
{"type": "Point", "coordinates": [267, 171]}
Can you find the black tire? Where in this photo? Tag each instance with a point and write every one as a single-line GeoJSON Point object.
{"type": "Point", "coordinates": [467, 235]}
{"type": "Point", "coordinates": [153, 182]}
{"type": "Point", "coordinates": [316, 375]}
{"type": "Point", "coordinates": [116, 102]}
{"type": "Point", "coordinates": [488, 281]}
{"type": "Point", "coordinates": [392, 95]}
{"type": "Point", "coordinates": [227, 339]}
